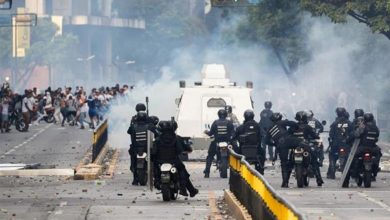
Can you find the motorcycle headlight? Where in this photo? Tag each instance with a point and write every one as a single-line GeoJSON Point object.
{"type": "Point", "coordinates": [173, 170]}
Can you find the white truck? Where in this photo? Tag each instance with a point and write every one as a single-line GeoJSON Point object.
{"type": "Point", "coordinates": [198, 105]}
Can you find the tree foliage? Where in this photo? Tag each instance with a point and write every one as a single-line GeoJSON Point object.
{"type": "Point", "coordinates": [277, 23]}
{"type": "Point", "coordinates": [374, 13]}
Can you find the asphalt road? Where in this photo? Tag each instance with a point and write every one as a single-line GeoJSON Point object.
{"type": "Point", "coordinates": [52, 197]}
{"type": "Point", "coordinates": [333, 202]}
{"type": "Point", "coordinates": [62, 198]}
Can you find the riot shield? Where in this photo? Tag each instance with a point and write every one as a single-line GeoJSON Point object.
{"type": "Point", "coordinates": [350, 159]}
{"type": "Point", "coordinates": [150, 136]}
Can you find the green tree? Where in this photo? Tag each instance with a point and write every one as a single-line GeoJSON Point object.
{"type": "Point", "coordinates": [374, 13]}
{"type": "Point", "coordinates": [277, 23]}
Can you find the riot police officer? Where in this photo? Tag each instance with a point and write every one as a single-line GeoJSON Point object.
{"type": "Point", "coordinates": [167, 148]}
{"type": "Point", "coordinates": [338, 136]}
{"type": "Point", "coordinates": [284, 141]}
{"type": "Point", "coordinates": [138, 133]}
{"type": "Point", "coordinates": [249, 139]}
{"type": "Point", "coordinates": [314, 123]}
{"type": "Point", "coordinates": [265, 124]}
{"type": "Point", "coordinates": [222, 130]}
{"type": "Point", "coordinates": [231, 116]}
{"type": "Point", "coordinates": [368, 133]}
{"type": "Point", "coordinates": [357, 113]}
{"type": "Point", "coordinates": [306, 132]}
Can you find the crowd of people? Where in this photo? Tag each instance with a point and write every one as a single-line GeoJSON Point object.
{"type": "Point", "coordinates": [64, 106]}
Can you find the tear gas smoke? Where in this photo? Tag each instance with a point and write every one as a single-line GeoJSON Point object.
{"type": "Point", "coordinates": [330, 79]}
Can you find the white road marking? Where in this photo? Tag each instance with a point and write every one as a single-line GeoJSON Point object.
{"type": "Point", "coordinates": [381, 204]}
{"type": "Point", "coordinates": [25, 142]}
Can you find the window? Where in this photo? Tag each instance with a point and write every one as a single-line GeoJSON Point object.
{"type": "Point", "coordinates": [216, 103]}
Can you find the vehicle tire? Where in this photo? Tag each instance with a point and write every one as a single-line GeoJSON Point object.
{"type": "Point", "coordinates": [223, 168]}
{"type": "Point", "coordinates": [166, 192]}
{"type": "Point", "coordinates": [49, 118]}
{"type": "Point", "coordinates": [367, 179]}
{"type": "Point", "coordinates": [142, 177]}
{"type": "Point", "coordinates": [20, 125]}
{"type": "Point", "coordinates": [299, 175]}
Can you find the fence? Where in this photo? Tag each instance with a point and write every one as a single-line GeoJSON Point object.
{"type": "Point", "coordinates": [255, 193]}
{"type": "Point", "coordinates": [99, 140]}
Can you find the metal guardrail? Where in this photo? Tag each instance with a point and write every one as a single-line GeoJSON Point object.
{"type": "Point", "coordinates": [256, 194]}
{"type": "Point", "coordinates": [99, 139]}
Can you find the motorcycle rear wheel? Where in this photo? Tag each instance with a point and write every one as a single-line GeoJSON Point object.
{"type": "Point", "coordinates": [166, 192]}
{"type": "Point", "coordinates": [223, 168]}
{"type": "Point", "coordinates": [367, 179]}
{"type": "Point", "coordinates": [299, 175]}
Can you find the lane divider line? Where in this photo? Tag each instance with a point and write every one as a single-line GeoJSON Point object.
{"type": "Point", "coordinates": [381, 204]}
{"type": "Point", "coordinates": [26, 142]}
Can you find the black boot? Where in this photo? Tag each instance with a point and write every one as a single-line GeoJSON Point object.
{"type": "Point", "coordinates": [285, 177]}
{"type": "Point", "coordinates": [193, 191]}
{"type": "Point", "coordinates": [319, 177]}
{"type": "Point", "coordinates": [135, 180]}
{"type": "Point", "coordinates": [207, 169]}
{"type": "Point", "coordinates": [183, 190]}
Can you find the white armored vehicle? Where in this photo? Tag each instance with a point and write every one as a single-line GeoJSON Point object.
{"type": "Point", "coordinates": [198, 105]}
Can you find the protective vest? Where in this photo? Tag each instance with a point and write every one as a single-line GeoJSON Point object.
{"type": "Point", "coordinates": [251, 134]}
{"type": "Point", "coordinates": [166, 145]}
{"type": "Point", "coordinates": [250, 140]}
{"type": "Point", "coordinates": [299, 133]}
{"type": "Point", "coordinates": [222, 134]}
{"type": "Point", "coordinates": [140, 135]}
{"type": "Point", "coordinates": [370, 136]}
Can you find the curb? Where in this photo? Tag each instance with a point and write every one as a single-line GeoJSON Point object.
{"type": "Point", "coordinates": [238, 210]}
{"type": "Point", "coordinates": [91, 171]}
{"type": "Point", "coordinates": [109, 174]}
{"type": "Point", "coordinates": [214, 215]}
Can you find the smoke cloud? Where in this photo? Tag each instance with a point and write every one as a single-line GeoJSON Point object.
{"type": "Point", "coordinates": [347, 60]}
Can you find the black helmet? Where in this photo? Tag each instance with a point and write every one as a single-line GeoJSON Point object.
{"type": "Point", "coordinates": [142, 116]}
{"type": "Point", "coordinates": [359, 112]}
{"type": "Point", "coordinates": [154, 119]}
{"type": "Point", "coordinates": [222, 114]}
{"type": "Point", "coordinates": [228, 108]}
{"type": "Point", "coordinates": [140, 107]}
{"type": "Point", "coordinates": [309, 114]}
{"type": "Point", "coordinates": [346, 115]}
{"type": "Point", "coordinates": [368, 117]}
{"type": "Point", "coordinates": [249, 115]}
{"type": "Point", "coordinates": [340, 111]}
{"type": "Point", "coordinates": [275, 117]}
{"type": "Point", "coordinates": [166, 126]}
{"type": "Point", "coordinates": [301, 116]}
{"type": "Point", "coordinates": [268, 104]}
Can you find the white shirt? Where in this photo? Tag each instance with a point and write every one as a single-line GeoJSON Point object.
{"type": "Point", "coordinates": [26, 101]}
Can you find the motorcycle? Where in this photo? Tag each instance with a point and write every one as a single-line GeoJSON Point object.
{"type": "Point", "coordinates": [222, 163]}
{"type": "Point", "coordinates": [343, 157]}
{"type": "Point", "coordinates": [142, 167]}
{"type": "Point", "coordinates": [301, 160]}
{"type": "Point", "coordinates": [16, 118]}
{"type": "Point", "coordinates": [49, 117]}
{"type": "Point", "coordinates": [364, 169]}
{"type": "Point", "coordinates": [169, 181]}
